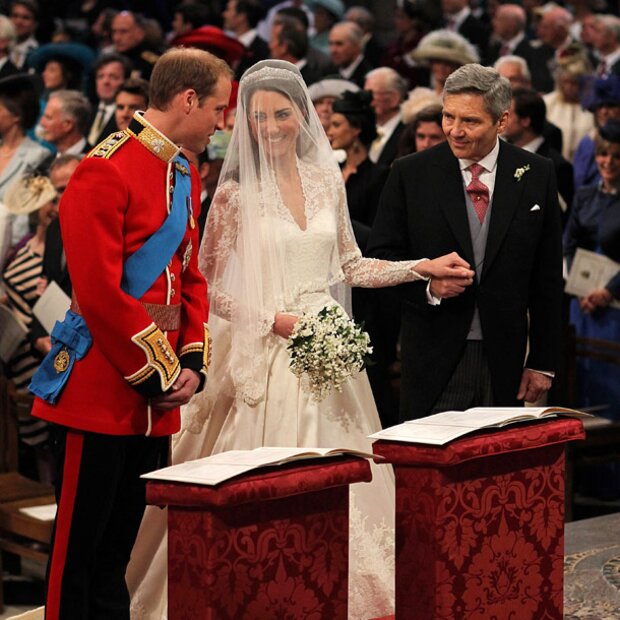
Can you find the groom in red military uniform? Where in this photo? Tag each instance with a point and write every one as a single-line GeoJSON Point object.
{"type": "Point", "coordinates": [134, 346]}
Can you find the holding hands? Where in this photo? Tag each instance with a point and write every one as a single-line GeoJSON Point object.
{"type": "Point", "coordinates": [449, 274]}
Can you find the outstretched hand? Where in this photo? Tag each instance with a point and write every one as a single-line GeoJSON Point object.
{"type": "Point", "coordinates": [450, 275]}
{"type": "Point", "coordinates": [447, 266]}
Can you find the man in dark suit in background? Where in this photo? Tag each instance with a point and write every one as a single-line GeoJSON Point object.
{"type": "Point", "coordinates": [497, 206]}
{"type": "Point", "coordinates": [241, 18]}
{"type": "Point", "coordinates": [346, 41]}
{"type": "Point", "coordinates": [389, 90]}
{"type": "Point", "coordinates": [458, 17]}
{"type": "Point", "coordinates": [110, 70]}
{"type": "Point", "coordinates": [525, 129]}
{"type": "Point", "coordinates": [508, 37]}
{"type": "Point", "coordinates": [289, 41]}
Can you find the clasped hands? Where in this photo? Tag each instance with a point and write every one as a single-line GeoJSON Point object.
{"type": "Point", "coordinates": [450, 275]}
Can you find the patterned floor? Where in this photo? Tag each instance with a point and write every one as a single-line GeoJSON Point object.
{"type": "Point", "coordinates": [592, 569]}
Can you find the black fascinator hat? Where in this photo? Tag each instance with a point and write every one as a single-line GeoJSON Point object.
{"type": "Point", "coordinates": [355, 106]}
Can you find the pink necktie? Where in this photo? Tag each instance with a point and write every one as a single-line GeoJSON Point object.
{"type": "Point", "coordinates": [478, 191]}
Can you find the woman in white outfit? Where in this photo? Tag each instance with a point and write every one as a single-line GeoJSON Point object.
{"type": "Point", "coordinates": [278, 243]}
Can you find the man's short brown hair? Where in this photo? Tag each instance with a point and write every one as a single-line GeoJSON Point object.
{"type": "Point", "coordinates": [181, 68]}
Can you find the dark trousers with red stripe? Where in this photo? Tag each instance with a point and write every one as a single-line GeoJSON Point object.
{"type": "Point", "coordinates": [101, 500]}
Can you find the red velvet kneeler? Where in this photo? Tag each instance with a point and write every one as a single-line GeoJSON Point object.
{"type": "Point", "coordinates": [480, 524]}
{"type": "Point", "coordinates": [272, 544]}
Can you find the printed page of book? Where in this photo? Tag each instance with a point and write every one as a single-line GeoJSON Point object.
{"type": "Point", "coordinates": [225, 465]}
{"type": "Point", "coordinates": [12, 332]}
{"type": "Point", "coordinates": [432, 434]}
{"type": "Point", "coordinates": [590, 271]}
{"type": "Point", "coordinates": [51, 306]}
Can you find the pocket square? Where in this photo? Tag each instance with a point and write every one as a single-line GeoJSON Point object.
{"type": "Point", "coordinates": [535, 208]}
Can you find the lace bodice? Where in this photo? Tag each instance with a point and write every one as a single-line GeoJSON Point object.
{"type": "Point", "coordinates": [310, 259]}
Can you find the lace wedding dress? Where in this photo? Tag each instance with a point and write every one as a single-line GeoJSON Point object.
{"type": "Point", "coordinates": [219, 418]}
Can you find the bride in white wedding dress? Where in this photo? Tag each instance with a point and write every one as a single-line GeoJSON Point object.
{"type": "Point", "coordinates": [278, 243]}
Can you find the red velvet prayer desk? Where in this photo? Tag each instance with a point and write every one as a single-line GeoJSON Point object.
{"type": "Point", "coordinates": [270, 544]}
{"type": "Point", "coordinates": [480, 524]}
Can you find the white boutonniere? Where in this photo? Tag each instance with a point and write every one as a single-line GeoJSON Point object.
{"type": "Point", "coordinates": [519, 172]}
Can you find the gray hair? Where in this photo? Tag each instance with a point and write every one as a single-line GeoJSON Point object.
{"type": "Point", "coordinates": [475, 79]}
{"type": "Point", "coordinates": [611, 23]}
{"type": "Point", "coordinates": [7, 30]}
{"type": "Point", "coordinates": [515, 60]}
{"type": "Point", "coordinates": [74, 105]}
{"type": "Point", "coordinates": [361, 16]}
{"type": "Point", "coordinates": [351, 31]}
{"type": "Point", "coordinates": [392, 80]}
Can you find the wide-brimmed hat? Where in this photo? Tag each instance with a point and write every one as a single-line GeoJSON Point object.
{"type": "Point", "coordinates": [214, 40]}
{"type": "Point", "coordinates": [447, 46]}
{"type": "Point", "coordinates": [18, 83]}
{"type": "Point", "coordinates": [331, 87]}
{"type": "Point", "coordinates": [335, 7]}
{"type": "Point", "coordinates": [78, 54]}
{"type": "Point", "coordinates": [605, 91]}
{"type": "Point", "coordinates": [29, 193]}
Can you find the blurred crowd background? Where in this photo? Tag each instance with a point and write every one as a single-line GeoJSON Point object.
{"type": "Point", "coordinates": [72, 72]}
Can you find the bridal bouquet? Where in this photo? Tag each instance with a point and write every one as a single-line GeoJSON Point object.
{"type": "Point", "coordinates": [326, 349]}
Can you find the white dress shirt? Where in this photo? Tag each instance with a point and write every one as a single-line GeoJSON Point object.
{"type": "Point", "coordinates": [384, 132]}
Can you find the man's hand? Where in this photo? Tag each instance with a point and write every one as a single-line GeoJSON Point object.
{"type": "Point", "coordinates": [447, 266]}
{"type": "Point", "coordinates": [43, 344]}
{"type": "Point", "coordinates": [448, 287]}
{"type": "Point", "coordinates": [598, 298]}
{"type": "Point", "coordinates": [533, 385]}
{"type": "Point", "coordinates": [283, 324]}
{"type": "Point", "coordinates": [180, 392]}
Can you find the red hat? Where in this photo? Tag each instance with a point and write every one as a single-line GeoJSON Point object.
{"type": "Point", "coordinates": [214, 40]}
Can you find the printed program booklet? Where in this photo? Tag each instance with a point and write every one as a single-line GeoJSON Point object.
{"type": "Point", "coordinates": [441, 428]}
{"type": "Point", "coordinates": [220, 467]}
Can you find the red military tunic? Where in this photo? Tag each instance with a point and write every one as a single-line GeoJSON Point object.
{"type": "Point", "coordinates": [116, 199]}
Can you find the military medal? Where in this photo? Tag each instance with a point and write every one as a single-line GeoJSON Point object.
{"type": "Point", "coordinates": [187, 255]}
{"type": "Point", "coordinates": [190, 211]}
{"type": "Point", "coordinates": [61, 361]}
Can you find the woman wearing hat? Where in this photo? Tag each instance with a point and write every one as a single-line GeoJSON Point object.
{"type": "Point", "coordinates": [604, 103]}
{"type": "Point", "coordinates": [35, 198]}
{"type": "Point", "coordinates": [326, 14]}
{"type": "Point", "coordinates": [19, 109]}
{"type": "Point", "coordinates": [444, 51]}
{"type": "Point", "coordinates": [594, 225]}
{"type": "Point", "coordinates": [564, 103]}
{"type": "Point", "coordinates": [323, 94]}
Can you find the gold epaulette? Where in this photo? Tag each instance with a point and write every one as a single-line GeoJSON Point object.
{"type": "Point", "coordinates": [150, 57]}
{"type": "Point", "coordinates": [106, 148]}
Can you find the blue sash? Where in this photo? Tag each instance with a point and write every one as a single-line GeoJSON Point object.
{"type": "Point", "coordinates": [71, 338]}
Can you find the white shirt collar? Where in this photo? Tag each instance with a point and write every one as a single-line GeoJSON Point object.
{"type": "Point", "coordinates": [488, 162]}
{"type": "Point", "coordinates": [347, 72]}
{"type": "Point", "coordinates": [512, 43]}
{"type": "Point", "coordinates": [247, 37]}
{"type": "Point", "coordinates": [460, 17]}
{"type": "Point", "coordinates": [611, 59]}
{"type": "Point", "coordinates": [76, 149]}
{"type": "Point", "coordinates": [534, 145]}
{"type": "Point", "coordinates": [388, 127]}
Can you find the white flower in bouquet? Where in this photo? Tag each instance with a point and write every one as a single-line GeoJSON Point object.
{"type": "Point", "coordinates": [326, 349]}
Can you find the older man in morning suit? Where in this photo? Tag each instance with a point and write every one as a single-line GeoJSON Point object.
{"type": "Point", "coordinates": [497, 206]}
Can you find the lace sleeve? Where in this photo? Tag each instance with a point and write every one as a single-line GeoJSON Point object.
{"type": "Point", "coordinates": [367, 272]}
{"type": "Point", "coordinates": [216, 250]}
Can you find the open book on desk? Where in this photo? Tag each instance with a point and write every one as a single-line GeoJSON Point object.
{"type": "Point", "coordinates": [220, 467]}
{"type": "Point", "coordinates": [441, 428]}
